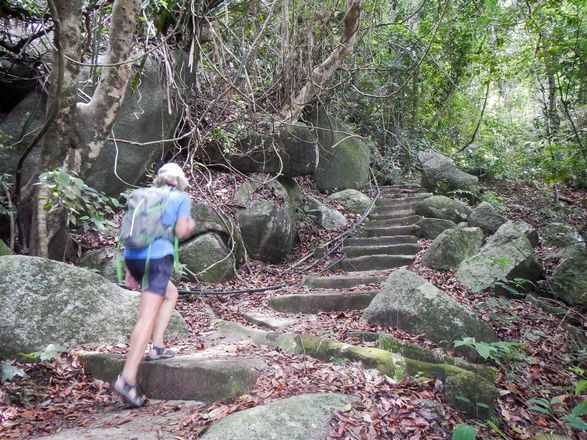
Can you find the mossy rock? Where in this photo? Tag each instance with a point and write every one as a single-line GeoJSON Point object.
{"type": "Point", "coordinates": [343, 156]}
{"type": "Point", "coordinates": [474, 397]}
{"type": "Point", "coordinates": [444, 208]}
{"type": "Point", "coordinates": [4, 249]}
{"type": "Point", "coordinates": [451, 247]}
{"type": "Point", "coordinates": [208, 257]}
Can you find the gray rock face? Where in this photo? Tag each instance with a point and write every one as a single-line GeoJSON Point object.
{"type": "Point", "coordinates": [559, 235]}
{"type": "Point", "coordinates": [344, 157]}
{"type": "Point", "coordinates": [411, 303]}
{"type": "Point", "coordinates": [292, 152]}
{"type": "Point", "coordinates": [431, 228]}
{"type": "Point", "coordinates": [441, 176]}
{"type": "Point", "coordinates": [267, 230]}
{"type": "Point", "coordinates": [103, 260]}
{"type": "Point", "coordinates": [324, 216]}
{"type": "Point", "coordinates": [508, 254]}
{"type": "Point", "coordinates": [353, 200]}
{"type": "Point", "coordinates": [208, 257]}
{"type": "Point", "coordinates": [45, 302]}
{"type": "Point", "coordinates": [569, 279]}
{"type": "Point", "coordinates": [303, 417]}
{"type": "Point", "coordinates": [143, 117]}
{"type": "Point", "coordinates": [17, 130]}
{"type": "Point", "coordinates": [487, 218]}
{"type": "Point", "coordinates": [451, 247]}
{"type": "Point", "coordinates": [444, 208]}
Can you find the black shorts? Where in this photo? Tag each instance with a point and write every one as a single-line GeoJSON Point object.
{"type": "Point", "coordinates": [158, 276]}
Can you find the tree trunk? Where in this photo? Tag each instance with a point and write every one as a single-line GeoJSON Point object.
{"type": "Point", "coordinates": [293, 109]}
{"type": "Point", "coordinates": [79, 131]}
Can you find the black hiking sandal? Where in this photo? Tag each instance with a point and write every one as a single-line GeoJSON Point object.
{"type": "Point", "coordinates": [128, 392]}
{"type": "Point", "coordinates": [160, 353]}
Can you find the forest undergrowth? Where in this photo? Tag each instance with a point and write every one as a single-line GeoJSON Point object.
{"type": "Point", "coordinates": [538, 380]}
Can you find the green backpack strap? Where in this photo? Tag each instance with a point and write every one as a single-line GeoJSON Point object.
{"type": "Point", "coordinates": [119, 263]}
{"type": "Point", "coordinates": [176, 263]}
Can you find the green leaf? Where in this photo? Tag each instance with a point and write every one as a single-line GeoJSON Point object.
{"type": "Point", "coordinates": [483, 349]}
{"type": "Point", "coordinates": [63, 178]}
{"type": "Point", "coordinates": [464, 432]}
{"type": "Point", "coordinates": [580, 387]}
{"type": "Point", "coordinates": [9, 371]}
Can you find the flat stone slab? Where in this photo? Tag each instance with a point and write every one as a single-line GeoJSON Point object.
{"type": "Point", "coordinates": [344, 281]}
{"type": "Point", "coordinates": [387, 213]}
{"type": "Point", "coordinates": [302, 417]}
{"type": "Point", "coordinates": [193, 377]}
{"type": "Point", "coordinates": [394, 249]}
{"type": "Point", "coordinates": [381, 241]}
{"type": "Point", "coordinates": [269, 321]}
{"type": "Point", "coordinates": [322, 302]}
{"type": "Point", "coordinates": [372, 262]}
{"type": "Point", "coordinates": [400, 221]}
{"type": "Point", "coordinates": [390, 231]}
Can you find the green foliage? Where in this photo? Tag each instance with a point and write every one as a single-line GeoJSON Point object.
{"type": "Point", "coordinates": [464, 432]}
{"type": "Point", "coordinates": [86, 207]}
{"type": "Point", "coordinates": [8, 371]}
{"type": "Point", "coordinates": [498, 352]}
{"type": "Point", "coordinates": [49, 353]}
{"type": "Point", "coordinates": [5, 187]}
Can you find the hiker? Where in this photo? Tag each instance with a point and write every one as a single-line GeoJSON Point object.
{"type": "Point", "coordinates": [150, 269]}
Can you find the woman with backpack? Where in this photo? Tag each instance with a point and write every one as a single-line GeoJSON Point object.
{"type": "Point", "coordinates": [149, 268]}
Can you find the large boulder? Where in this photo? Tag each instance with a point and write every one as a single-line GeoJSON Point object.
{"type": "Point", "coordinates": [353, 200]}
{"type": "Point", "coordinates": [45, 302]}
{"type": "Point", "coordinates": [209, 219]}
{"type": "Point", "coordinates": [324, 216]}
{"type": "Point", "coordinates": [208, 258]}
{"type": "Point", "coordinates": [16, 132]}
{"type": "Point", "coordinates": [268, 230]}
{"type": "Point", "coordinates": [411, 303]}
{"type": "Point", "coordinates": [569, 279]}
{"type": "Point", "coordinates": [507, 255]}
{"type": "Point", "coordinates": [143, 117]}
{"type": "Point", "coordinates": [291, 152]}
{"type": "Point", "coordinates": [431, 228]}
{"type": "Point", "coordinates": [451, 247]}
{"type": "Point", "coordinates": [443, 207]}
{"type": "Point", "coordinates": [487, 218]}
{"type": "Point", "coordinates": [305, 416]}
{"type": "Point", "coordinates": [344, 157]}
{"type": "Point", "coordinates": [269, 218]}
{"type": "Point", "coordinates": [559, 235]}
{"type": "Point", "coordinates": [441, 176]}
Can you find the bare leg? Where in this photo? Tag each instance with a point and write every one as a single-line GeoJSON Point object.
{"type": "Point", "coordinates": [148, 309]}
{"type": "Point", "coordinates": [165, 313]}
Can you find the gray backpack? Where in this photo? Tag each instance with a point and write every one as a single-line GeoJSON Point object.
{"type": "Point", "coordinates": [142, 222]}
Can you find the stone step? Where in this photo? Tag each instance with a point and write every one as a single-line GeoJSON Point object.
{"type": "Point", "coordinates": [399, 202]}
{"type": "Point", "coordinates": [394, 249]}
{"type": "Point", "coordinates": [372, 262]}
{"type": "Point", "coordinates": [269, 321]}
{"type": "Point", "coordinates": [397, 206]}
{"type": "Point", "coordinates": [406, 196]}
{"type": "Point", "coordinates": [381, 241]}
{"type": "Point", "coordinates": [386, 214]}
{"type": "Point", "coordinates": [194, 377]}
{"type": "Point", "coordinates": [386, 232]}
{"type": "Point", "coordinates": [400, 187]}
{"type": "Point", "coordinates": [345, 281]}
{"type": "Point", "coordinates": [334, 301]}
{"type": "Point", "coordinates": [399, 221]}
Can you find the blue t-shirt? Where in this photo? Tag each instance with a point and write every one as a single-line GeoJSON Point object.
{"type": "Point", "coordinates": [179, 205]}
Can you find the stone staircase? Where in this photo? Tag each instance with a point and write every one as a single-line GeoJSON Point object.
{"type": "Point", "coordinates": [389, 238]}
